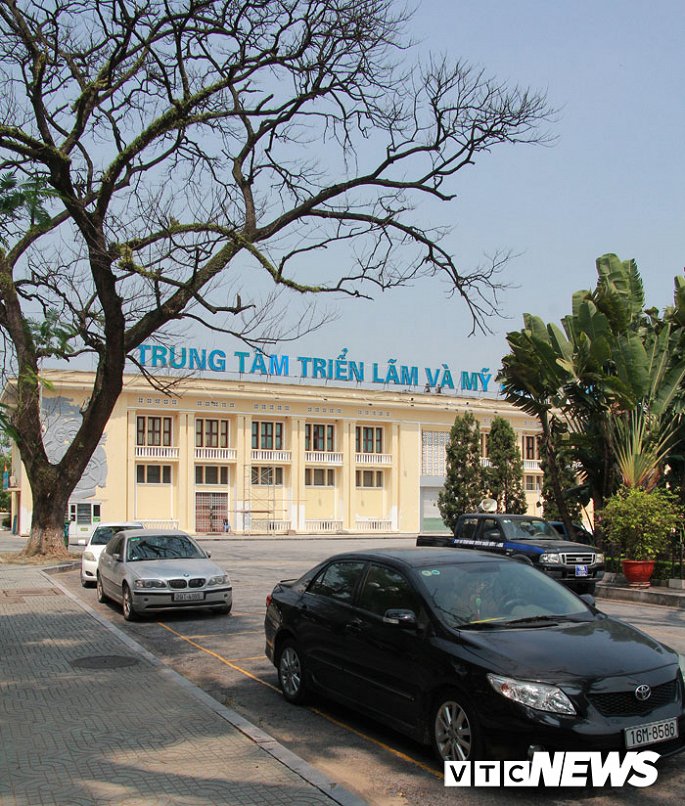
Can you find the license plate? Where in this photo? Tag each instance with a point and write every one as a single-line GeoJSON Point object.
{"type": "Point", "coordinates": [581, 570]}
{"type": "Point", "coordinates": [189, 596]}
{"type": "Point", "coordinates": [651, 733]}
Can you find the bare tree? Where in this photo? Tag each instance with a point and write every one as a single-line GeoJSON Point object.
{"type": "Point", "coordinates": [184, 145]}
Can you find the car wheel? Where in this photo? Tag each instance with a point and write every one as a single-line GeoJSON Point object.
{"type": "Point", "coordinates": [127, 603]}
{"type": "Point", "coordinates": [291, 673]}
{"type": "Point", "coordinates": [455, 732]}
{"type": "Point", "coordinates": [100, 590]}
{"type": "Point", "coordinates": [223, 610]}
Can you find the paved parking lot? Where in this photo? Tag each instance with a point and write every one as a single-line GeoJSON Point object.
{"type": "Point", "coordinates": [224, 657]}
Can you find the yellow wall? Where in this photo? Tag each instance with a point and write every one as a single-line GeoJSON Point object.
{"type": "Point", "coordinates": [290, 507]}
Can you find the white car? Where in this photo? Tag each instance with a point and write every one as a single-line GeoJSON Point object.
{"type": "Point", "coordinates": [96, 543]}
{"type": "Point", "coordinates": [147, 570]}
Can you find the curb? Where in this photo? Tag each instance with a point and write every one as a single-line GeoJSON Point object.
{"type": "Point", "coordinates": [265, 742]}
{"type": "Point", "coordinates": [665, 597]}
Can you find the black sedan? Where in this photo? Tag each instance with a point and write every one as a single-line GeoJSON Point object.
{"type": "Point", "coordinates": [482, 656]}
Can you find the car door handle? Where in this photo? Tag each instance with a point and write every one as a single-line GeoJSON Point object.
{"type": "Point", "coordinates": [355, 626]}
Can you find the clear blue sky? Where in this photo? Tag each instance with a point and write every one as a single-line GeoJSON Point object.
{"type": "Point", "coordinates": [613, 182]}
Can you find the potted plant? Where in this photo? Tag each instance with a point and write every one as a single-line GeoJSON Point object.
{"type": "Point", "coordinates": [640, 524]}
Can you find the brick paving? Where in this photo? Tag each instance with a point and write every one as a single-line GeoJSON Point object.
{"type": "Point", "coordinates": [88, 716]}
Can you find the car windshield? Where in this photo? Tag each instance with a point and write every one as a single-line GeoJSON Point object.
{"type": "Point", "coordinates": [103, 534]}
{"type": "Point", "coordinates": [499, 593]}
{"type": "Point", "coordinates": [162, 547]}
{"type": "Point", "coordinates": [525, 528]}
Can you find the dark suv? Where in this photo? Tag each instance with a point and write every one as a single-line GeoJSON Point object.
{"type": "Point", "coordinates": [530, 539]}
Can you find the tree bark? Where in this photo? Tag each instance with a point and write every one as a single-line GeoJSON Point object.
{"type": "Point", "coordinates": [548, 446]}
{"type": "Point", "coordinates": [47, 524]}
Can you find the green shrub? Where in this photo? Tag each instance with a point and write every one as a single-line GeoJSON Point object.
{"type": "Point", "coordinates": [641, 523]}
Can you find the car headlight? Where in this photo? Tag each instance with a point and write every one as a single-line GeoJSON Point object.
{"type": "Point", "coordinates": [535, 695]}
{"type": "Point", "coordinates": [599, 557]}
{"type": "Point", "coordinates": [218, 580]}
{"type": "Point", "coordinates": [141, 584]}
{"type": "Point", "coordinates": [550, 559]}
{"type": "Point", "coordinates": [88, 555]}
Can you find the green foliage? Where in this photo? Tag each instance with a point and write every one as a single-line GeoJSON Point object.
{"type": "Point", "coordinates": [23, 199]}
{"type": "Point", "coordinates": [641, 448]}
{"type": "Point", "coordinates": [51, 336]}
{"type": "Point", "coordinates": [463, 488]}
{"type": "Point", "coordinates": [640, 523]}
{"type": "Point", "coordinates": [614, 358]}
{"type": "Point", "coordinates": [504, 476]}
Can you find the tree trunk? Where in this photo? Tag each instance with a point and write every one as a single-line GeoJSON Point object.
{"type": "Point", "coordinates": [47, 525]}
{"type": "Point", "coordinates": [553, 467]}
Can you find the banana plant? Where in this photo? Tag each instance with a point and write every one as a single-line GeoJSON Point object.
{"type": "Point", "coordinates": [613, 367]}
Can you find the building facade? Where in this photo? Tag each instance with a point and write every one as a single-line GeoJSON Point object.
{"type": "Point", "coordinates": [242, 457]}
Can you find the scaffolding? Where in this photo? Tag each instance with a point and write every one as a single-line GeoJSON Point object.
{"type": "Point", "coordinates": [262, 512]}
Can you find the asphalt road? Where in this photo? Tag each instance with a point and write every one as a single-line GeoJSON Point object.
{"type": "Point", "coordinates": [225, 656]}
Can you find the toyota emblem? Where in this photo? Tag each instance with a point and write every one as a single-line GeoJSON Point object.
{"type": "Point", "coordinates": [643, 693]}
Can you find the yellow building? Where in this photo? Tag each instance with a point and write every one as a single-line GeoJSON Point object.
{"type": "Point", "coordinates": [249, 456]}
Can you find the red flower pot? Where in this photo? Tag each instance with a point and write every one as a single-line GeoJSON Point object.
{"type": "Point", "coordinates": [638, 572]}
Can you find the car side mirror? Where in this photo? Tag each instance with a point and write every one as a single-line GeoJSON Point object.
{"type": "Point", "coordinates": [116, 557]}
{"type": "Point", "coordinates": [400, 618]}
{"type": "Point", "coordinates": [208, 553]}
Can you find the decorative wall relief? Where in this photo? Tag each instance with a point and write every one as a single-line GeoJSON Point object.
{"type": "Point", "coordinates": [61, 421]}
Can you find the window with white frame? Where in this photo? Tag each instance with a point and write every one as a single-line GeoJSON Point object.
{"type": "Point", "coordinates": [154, 431]}
{"type": "Point", "coordinates": [433, 452]}
{"type": "Point", "coordinates": [267, 476]}
{"type": "Point", "coordinates": [319, 477]}
{"type": "Point", "coordinates": [368, 439]}
{"type": "Point", "coordinates": [530, 447]}
{"type": "Point", "coordinates": [319, 437]}
{"type": "Point", "coordinates": [369, 478]}
{"type": "Point", "coordinates": [211, 474]}
{"type": "Point", "coordinates": [267, 435]}
{"type": "Point", "coordinates": [153, 474]}
{"type": "Point", "coordinates": [533, 484]}
{"type": "Point", "coordinates": [211, 433]}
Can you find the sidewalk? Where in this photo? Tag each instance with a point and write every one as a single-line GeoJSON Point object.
{"type": "Point", "coordinates": [88, 716]}
{"type": "Point", "coordinates": [656, 594]}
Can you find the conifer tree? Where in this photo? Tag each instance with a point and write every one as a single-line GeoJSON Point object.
{"type": "Point", "coordinates": [463, 488]}
{"type": "Point", "coordinates": [504, 476]}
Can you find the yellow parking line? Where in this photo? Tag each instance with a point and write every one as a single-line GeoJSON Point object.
{"type": "Point", "coordinates": [256, 657]}
{"type": "Point", "coordinates": [425, 767]}
{"type": "Point", "coordinates": [388, 748]}
{"type": "Point", "coordinates": [214, 635]}
{"type": "Point", "coordinates": [218, 657]}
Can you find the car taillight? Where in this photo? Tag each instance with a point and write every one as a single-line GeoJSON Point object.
{"type": "Point", "coordinates": [268, 599]}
